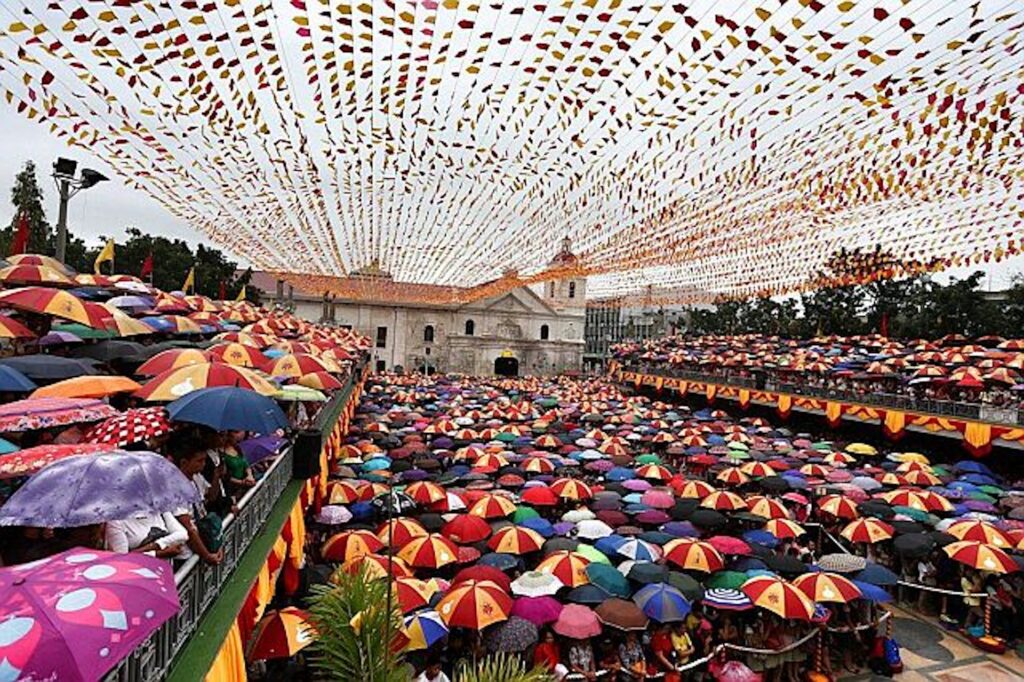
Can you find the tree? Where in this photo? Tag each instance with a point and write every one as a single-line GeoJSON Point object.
{"type": "Point", "coordinates": [500, 668]}
{"type": "Point", "coordinates": [27, 198]}
{"type": "Point", "coordinates": [350, 618]}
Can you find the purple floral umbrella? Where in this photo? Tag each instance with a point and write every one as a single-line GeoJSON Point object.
{"type": "Point", "coordinates": [80, 491]}
{"type": "Point", "coordinates": [73, 616]}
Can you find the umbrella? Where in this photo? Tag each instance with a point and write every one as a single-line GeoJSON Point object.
{"type": "Point", "coordinates": [662, 603]}
{"type": "Point", "coordinates": [47, 301]}
{"type": "Point", "coordinates": [577, 622]}
{"type": "Point", "coordinates": [30, 460]}
{"type": "Point", "coordinates": [350, 544]}
{"type": "Point", "coordinates": [727, 599]}
{"type": "Point", "coordinates": [75, 615]}
{"type": "Point", "coordinates": [914, 545]}
{"type": "Point", "coordinates": [876, 575]}
{"type": "Point", "coordinates": [44, 413]}
{"type": "Point", "coordinates": [281, 634]}
{"type": "Point", "coordinates": [827, 587]}
{"type": "Point", "coordinates": [474, 604]}
{"type": "Point", "coordinates": [513, 636]}
{"type": "Point", "coordinates": [87, 387]}
{"type": "Point", "coordinates": [609, 579]}
{"type": "Point", "coordinates": [587, 594]}
{"type": "Point", "coordinates": [333, 515]}
{"type": "Point", "coordinates": [841, 563]}
{"type": "Point", "coordinates": [171, 359]}
{"type": "Point", "coordinates": [567, 566]}
{"type": "Point", "coordinates": [867, 530]}
{"type": "Point", "coordinates": [536, 584]}
{"type": "Point", "coordinates": [466, 529]}
{"type": "Point", "coordinates": [432, 551]}
{"type": "Point", "coordinates": [537, 610]}
{"type": "Point", "coordinates": [516, 540]}
{"type": "Point", "coordinates": [49, 367]}
{"type": "Point", "coordinates": [423, 630]}
{"type": "Point", "coordinates": [398, 533]}
{"type": "Point", "coordinates": [621, 614]}
{"type": "Point", "coordinates": [479, 573]}
{"type": "Point", "coordinates": [979, 531]}
{"type": "Point", "coordinates": [260, 448]}
{"type": "Point", "coordinates": [175, 383]}
{"type": "Point", "coordinates": [781, 598]}
{"type": "Point", "coordinates": [980, 556]}
{"type": "Point", "coordinates": [694, 555]}
{"type": "Point", "coordinates": [80, 491]}
{"type": "Point", "coordinates": [13, 381]}
{"type": "Point", "coordinates": [12, 329]}
{"type": "Point", "coordinates": [226, 408]}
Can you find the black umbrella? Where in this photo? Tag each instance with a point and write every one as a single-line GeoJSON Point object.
{"type": "Point", "coordinates": [114, 350]}
{"type": "Point", "coordinates": [431, 522]}
{"type": "Point", "coordinates": [784, 563]}
{"type": "Point", "coordinates": [559, 544]}
{"type": "Point", "coordinates": [683, 508]}
{"type": "Point", "coordinates": [774, 484]}
{"type": "Point", "coordinates": [913, 545]}
{"type": "Point", "coordinates": [941, 538]}
{"type": "Point", "coordinates": [876, 509]}
{"type": "Point", "coordinates": [513, 636]}
{"type": "Point", "coordinates": [647, 572]}
{"type": "Point", "coordinates": [690, 588]}
{"type": "Point", "coordinates": [587, 594]}
{"type": "Point", "coordinates": [51, 367]}
{"type": "Point", "coordinates": [906, 527]}
{"type": "Point", "coordinates": [707, 518]}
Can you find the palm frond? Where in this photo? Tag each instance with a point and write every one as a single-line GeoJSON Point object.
{"type": "Point", "coordinates": [501, 668]}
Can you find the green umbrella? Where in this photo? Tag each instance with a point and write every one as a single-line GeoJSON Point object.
{"type": "Point", "coordinates": [649, 458]}
{"type": "Point", "coordinates": [940, 470]}
{"type": "Point", "coordinates": [547, 402]}
{"type": "Point", "coordinates": [736, 445]}
{"type": "Point", "coordinates": [737, 454]}
{"type": "Point", "coordinates": [595, 555]}
{"type": "Point", "coordinates": [980, 496]}
{"type": "Point", "coordinates": [83, 332]}
{"type": "Point", "coordinates": [916, 514]}
{"type": "Point", "coordinates": [729, 580]}
{"type": "Point", "coordinates": [690, 588]}
{"type": "Point", "coordinates": [609, 579]}
{"type": "Point", "coordinates": [822, 445]}
{"type": "Point", "coordinates": [294, 393]}
{"type": "Point", "coordinates": [7, 447]}
{"type": "Point", "coordinates": [506, 437]}
{"type": "Point", "coordinates": [523, 513]}
{"type": "Point", "coordinates": [992, 490]}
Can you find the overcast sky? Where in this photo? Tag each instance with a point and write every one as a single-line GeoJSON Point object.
{"type": "Point", "coordinates": [110, 207]}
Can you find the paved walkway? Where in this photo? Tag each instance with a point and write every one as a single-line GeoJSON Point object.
{"type": "Point", "coordinates": [932, 653]}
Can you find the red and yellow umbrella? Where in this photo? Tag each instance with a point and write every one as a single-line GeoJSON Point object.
{"type": "Point", "coordinates": [922, 478]}
{"type": "Point", "coordinates": [980, 531]}
{"type": "Point", "coordinates": [610, 447]}
{"type": "Point", "coordinates": [321, 381]}
{"type": "Point", "coordinates": [281, 634]}
{"type": "Point", "coordinates": [516, 540]}
{"type": "Point", "coordinates": [173, 358]}
{"type": "Point", "coordinates": [784, 528]}
{"type": "Point", "coordinates": [835, 458]}
{"type": "Point", "coordinates": [432, 551]}
{"type": "Point", "coordinates": [238, 354]}
{"type": "Point", "coordinates": [34, 275]}
{"type": "Point", "coordinates": [981, 556]}
{"type": "Point", "coordinates": [538, 465]}
{"type": "Point", "coordinates": [839, 506]}
{"type": "Point", "coordinates": [425, 492]}
{"type": "Point", "coordinates": [547, 441]}
{"type": "Point", "coordinates": [99, 386]}
{"type": "Point", "coordinates": [38, 259]}
{"type": "Point", "coordinates": [58, 303]}
{"type": "Point", "coordinates": [490, 461]}
{"type": "Point", "coordinates": [654, 472]}
{"type": "Point", "coordinates": [569, 567]}
{"type": "Point", "coordinates": [867, 530]}
{"type": "Point", "coordinates": [493, 507]}
{"type": "Point", "coordinates": [180, 325]}
{"type": "Point", "coordinates": [732, 476]}
{"type": "Point", "coordinates": [767, 507]}
{"type": "Point", "coordinates": [12, 329]}
{"type": "Point", "coordinates": [781, 598]}
{"type": "Point", "coordinates": [814, 470]}
{"type": "Point", "coordinates": [696, 490]}
{"type": "Point", "coordinates": [342, 492]}
{"type": "Point", "coordinates": [350, 544]}
{"type": "Point", "coordinates": [376, 566]}
{"type": "Point", "coordinates": [724, 500]}
{"type": "Point", "coordinates": [173, 384]}
{"type": "Point", "coordinates": [474, 604]}
{"type": "Point", "coordinates": [922, 500]}
{"type": "Point", "coordinates": [412, 593]}
{"type": "Point", "coordinates": [694, 555]}
{"type": "Point", "coordinates": [571, 489]}
{"type": "Point", "coordinates": [757, 469]}
{"type": "Point", "coordinates": [827, 587]}
{"type": "Point", "coordinates": [297, 364]}
{"type": "Point", "coordinates": [403, 531]}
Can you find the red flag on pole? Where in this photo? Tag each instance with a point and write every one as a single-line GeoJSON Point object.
{"type": "Point", "coordinates": [147, 266]}
{"type": "Point", "coordinates": [20, 242]}
{"type": "Point", "coordinates": [884, 331]}
{"type": "Point", "coordinates": [222, 291]}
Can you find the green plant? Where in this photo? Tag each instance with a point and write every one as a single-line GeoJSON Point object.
{"type": "Point", "coordinates": [351, 618]}
{"type": "Point", "coordinates": [500, 668]}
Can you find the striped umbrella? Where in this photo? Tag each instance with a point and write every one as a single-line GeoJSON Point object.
{"type": "Point", "coordinates": [474, 604]}
{"type": "Point", "coordinates": [784, 528]}
{"type": "Point", "coordinates": [732, 476]}
{"type": "Point", "coordinates": [342, 492]}
{"type": "Point", "coordinates": [489, 461]}
{"type": "Point", "coordinates": [240, 355]}
{"type": "Point", "coordinates": [12, 329]}
{"type": "Point", "coordinates": [403, 531]}
{"type": "Point", "coordinates": [376, 566]}
{"type": "Point", "coordinates": [297, 364]}
{"type": "Point", "coordinates": [980, 531]}
{"type": "Point", "coordinates": [20, 275]}
{"type": "Point", "coordinates": [425, 492]}
{"type": "Point", "coordinates": [493, 507]}
{"type": "Point", "coordinates": [639, 550]}
{"type": "Point", "coordinates": [980, 556]}
{"type": "Point", "coordinates": [839, 506]}
{"type": "Point", "coordinates": [173, 358]}
{"type": "Point", "coordinates": [281, 634]}
{"type": "Point", "coordinates": [654, 472]}
{"type": "Point", "coordinates": [694, 555]}
{"type": "Point", "coordinates": [867, 530]}
{"type": "Point", "coordinates": [122, 324]}
{"type": "Point", "coordinates": [350, 544]}
{"type": "Point", "coordinates": [835, 458]}
{"type": "Point", "coordinates": [48, 301]}
{"type": "Point", "coordinates": [175, 383]}
{"type": "Point", "coordinates": [767, 507]}
{"type": "Point", "coordinates": [723, 500]}
{"type": "Point", "coordinates": [538, 465]}
{"type": "Point", "coordinates": [781, 598]}
{"type": "Point", "coordinates": [922, 500]}
{"type": "Point", "coordinates": [321, 381]}
{"type": "Point", "coordinates": [432, 551]}
{"type": "Point", "coordinates": [571, 489]}
{"type": "Point", "coordinates": [568, 566]}
{"type": "Point", "coordinates": [757, 470]}
{"type": "Point", "coordinates": [516, 540]}
{"type": "Point", "coordinates": [827, 587]}
{"type": "Point", "coordinates": [662, 603]}
{"type": "Point", "coordinates": [696, 490]}
{"type": "Point", "coordinates": [423, 630]}
{"type": "Point", "coordinates": [412, 593]}
{"type": "Point", "coordinates": [922, 478]}
{"type": "Point", "coordinates": [727, 599]}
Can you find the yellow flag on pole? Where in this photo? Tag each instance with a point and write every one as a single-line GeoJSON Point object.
{"type": "Point", "coordinates": [241, 294]}
{"type": "Point", "coordinates": [105, 255]}
{"type": "Point", "coordinates": [190, 281]}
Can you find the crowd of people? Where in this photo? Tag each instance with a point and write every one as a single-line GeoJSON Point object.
{"type": "Point", "coordinates": [983, 371]}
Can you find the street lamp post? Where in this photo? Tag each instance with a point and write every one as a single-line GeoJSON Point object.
{"type": "Point", "coordinates": [68, 186]}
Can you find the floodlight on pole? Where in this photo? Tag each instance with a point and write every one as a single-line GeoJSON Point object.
{"type": "Point", "coordinates": [67, 187]}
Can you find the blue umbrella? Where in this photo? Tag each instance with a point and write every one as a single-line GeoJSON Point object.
{"type": "Point", "coordinates": [227, 408]}
{"type": "Point", "coordinates": [256, 449]}
{"type": "Point", "coordinates": [424, 629]}
{"type": "Point", "coordinates": [7, 447]}
{"type": "Point", "coordinates": [588, 594]}
{"type": "Point", "coordinates": [662, 603]}
{"type": "Point", "coordinates": [158, 324]}
{"type": "Point", "coordinates": [500, 561]}
{"type": "Point", "coordinates": [872, 592]}
{"type": "Point", "coordinates": [13, 381]}
{"type": "Point", "coordinates": [761, 537]}
{"type": "Point", "coordinates": [967, 466]}
{"type": "Point", "coordinates": [877, 575]}
{"type": "Point", "coordinates": [619, 474]}
{"type": "Point", "coordinates": [638, 550]}
{"type": "Point", "coordinates": [609, 544]}
{"type": "Point", "coordinates": [49, 367]}
{"type": "Point", "coordinates": [541, 525]}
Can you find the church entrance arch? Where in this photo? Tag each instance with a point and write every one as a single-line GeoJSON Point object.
{"type": "Point", "coordinates": [506, 366]}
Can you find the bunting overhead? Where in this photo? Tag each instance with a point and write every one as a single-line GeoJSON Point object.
{"type": "Point", "coordinates": [704, 148]}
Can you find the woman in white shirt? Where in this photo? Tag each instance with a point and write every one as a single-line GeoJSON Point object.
{"type": "Point", "coordinates": [160, 535]}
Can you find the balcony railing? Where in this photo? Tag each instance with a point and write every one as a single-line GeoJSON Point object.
{"type": "Point", "coordinates": [1011, 416]}
{"type": "Point", "coordinates": [199, 584]}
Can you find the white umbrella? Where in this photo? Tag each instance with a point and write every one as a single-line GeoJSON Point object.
{"type": "Point", "coordinates": [593, 529]}
{"type": "Point", "coordinates": [536, 584]}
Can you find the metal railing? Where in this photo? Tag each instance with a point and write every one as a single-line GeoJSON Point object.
{"type": "Point", "coordinates": [1011, 416]}
{"type": "Point", "coordinates": [199, 584]}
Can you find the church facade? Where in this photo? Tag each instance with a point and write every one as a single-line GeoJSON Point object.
{"type": "Point", "coordinates": [520, 332]}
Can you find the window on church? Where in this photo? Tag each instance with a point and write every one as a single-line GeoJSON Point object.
{"type": "Point", "coordinates": [572, 289]}
{"type": "Point", "coordinates": [428, 334]}
{"type": "Point", "coordinates": [382, 337]}
{"type": "Point", "coordinates": [544, 332]}
{"type": "Point", "coordinates": [470, 327]}
{"type": "Point", "coordinates": [551, 289]}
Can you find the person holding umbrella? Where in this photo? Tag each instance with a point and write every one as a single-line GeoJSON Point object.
{"type": "Point", "coordinates": [191, 462]}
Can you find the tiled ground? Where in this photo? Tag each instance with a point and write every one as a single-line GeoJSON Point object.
{"type": "Point", "coordinates": [931, 653]}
